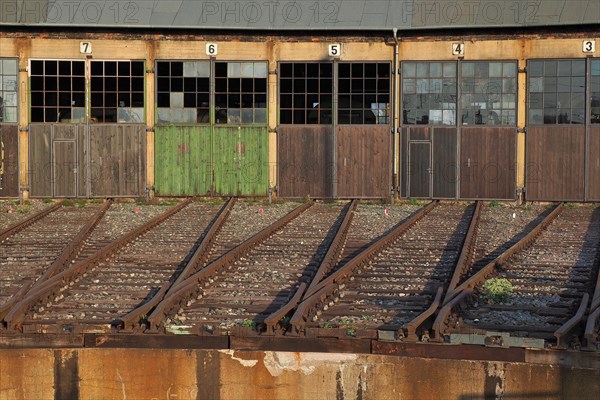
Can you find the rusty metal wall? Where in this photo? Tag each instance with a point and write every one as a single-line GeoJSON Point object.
{"type": "Point", "coordinates": [305, 161]}
{"type": "Point", "coordinates": [364, 161]}
{"type": "Point", "coordinates": [488, 162]}
{"type": "Point", "coordinates": [593, 193]}
{"type": "Point", "coordinates": [139, 373]}
{"type": "Point", "coordinates": [555, 163]}
{"type": "Point", "coordinates": [117, 160]}
{"type": "Point", "coordinates": [9, 161]}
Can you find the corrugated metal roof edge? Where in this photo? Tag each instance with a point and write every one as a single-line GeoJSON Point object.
{"type": "Point", "coordinates": [288, 29]}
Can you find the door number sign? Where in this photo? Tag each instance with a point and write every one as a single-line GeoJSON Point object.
{"type": "Point", "coordinates": [458, 49]}
{"type": "Point", "coordinates": [212, 49]}
{"type": "Point", "coordinates": [335, 50]}
{"type": "Point", "coordinates": [589, 46]}
{"type": "Point", "coordinates": [85, 47]}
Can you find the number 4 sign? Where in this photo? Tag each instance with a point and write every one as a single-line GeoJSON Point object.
{"type": "Point", "coordinates": [458, 49]}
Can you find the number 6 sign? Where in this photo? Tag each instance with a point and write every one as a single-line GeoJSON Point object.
{"type": "Point", "coordinates": [212, 49]}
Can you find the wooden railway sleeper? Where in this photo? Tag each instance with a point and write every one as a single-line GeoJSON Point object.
{"type": "Point", "coordinates": [188, 287]}
{"type": "Point", "coordinates": [139, 316]}
{"type": "Point", "coordinates": [61, 282]}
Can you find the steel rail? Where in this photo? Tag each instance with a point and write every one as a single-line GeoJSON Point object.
{"type": "Point", "coordinates": [334, 283]}
{"type": "Point", "coordinates": [191, 286]}
{"type": "Point", "coordinates": [52, 289]}
{"type": "Point", "coordinates": [459, 294]}
{"type": "Point", "coordinates": [466, 254]}
{"type": "Point", "coordinates": [503, 258]}
{"type": "Point", "coordinates": [565, 332]}
{"type": "Point", "coordinates": [374, 249]}
{"type": "Point", "coordinates": [19, 226]}
{"type": "Point", "coordinates": [331, 257]}
{"type": "Point", "coordinates": [66, 256]}
{"type": "Point", "coordinates": [592, 340]}
{"type": "Point", "coordinates": [135, 316]}
{"type": "Point", "coordinates": [412, 327]}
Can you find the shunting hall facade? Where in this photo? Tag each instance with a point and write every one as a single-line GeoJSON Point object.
{"type": "Point", "coordinates": [341, 99]}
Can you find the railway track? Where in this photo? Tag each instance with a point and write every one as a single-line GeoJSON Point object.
{"type": "Point", "coordinates": [549, 279]}
{"type": "Point", "coordinates": [392, 282]}
{"type": "Point", "coordinates": [261, 279]}
{"type": "Point", "coordinates": [29, 248]}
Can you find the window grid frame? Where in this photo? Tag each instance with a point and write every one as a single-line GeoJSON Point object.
{"type": "Point", "coordinates": [45, 78]}
{"type": "Point", "coordinates": [3, 92]}
{"type": "Point", "coordinates": [306, 111]}
{"type": "Point", "coordinates": [207, 110]}
{"type": "Point", "coordinates": [116, 92]}
{"type": "Point", "coordinates": [230, 95]}
{"type": "Point", "coordinates": [363, 94]}
{"type": "Point", "coordinates": [531, 112]}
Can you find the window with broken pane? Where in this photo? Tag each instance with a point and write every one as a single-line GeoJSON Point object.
{"type": "Point", "coordinates": [240, 93]}
{"type": "Point", "coordinates": [363, 93]}
{"type": "Point", "coordinates": [183, 92]}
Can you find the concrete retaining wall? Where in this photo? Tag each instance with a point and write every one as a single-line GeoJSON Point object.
{"type": "Point", "coordinates": [227, 374]}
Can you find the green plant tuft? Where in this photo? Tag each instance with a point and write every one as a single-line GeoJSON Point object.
{"type": "Point", "coordinates": [413, 202]}
{"type": "Point", "coordinates": [47, 201]}
{"type": "Point", "coordinates": [494, 203]}
{"type": "Point", "coordinates": [497, 290]}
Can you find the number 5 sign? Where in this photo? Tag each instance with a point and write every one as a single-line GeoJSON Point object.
{"type": "Point", "coordinates": [212, 49]}
{"type": "Point", "coordinates": [335, 50]}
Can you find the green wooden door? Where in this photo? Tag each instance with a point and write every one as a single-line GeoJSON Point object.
{"type": "Point", "coordinates": [241, 160]}
{"type": "Point", "coordinates": [182, 160]}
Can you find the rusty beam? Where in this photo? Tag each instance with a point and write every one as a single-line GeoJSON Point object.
{"type": "Point", "coordinates": [272, 321]}
{"type": "Point", "coordinates": [49, 290]}
{"type": "Point", "coordinates": [66, 256]}
{"type": "Point", "coordinates": [334, 283]}
{"type": "Point", "coordinates": [466, 254]}
{"type": "Point", "coordinates": [178, 296]}
{"type": "Point", "coordinates": [132, 319]}
{"type": "Point", "coordinates": [11, 230]}
{"type": "Point", "coordinates": [565, 333]}
{"type": "Point", "coordinates": [503, 258]}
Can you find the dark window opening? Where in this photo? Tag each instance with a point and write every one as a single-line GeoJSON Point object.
{"type": "Point", "coordinates": [117, 91]}
{"type": "Point", "coordinates": [57, 91]}
{"type": "Point", "coordinates": [306, 91]}
{"type": "Point", "coordinates": [556, 92]}
{"type": "Point", "coordinates": [364, 93]}
{"type": "Point", "coordinates": [240, 93]}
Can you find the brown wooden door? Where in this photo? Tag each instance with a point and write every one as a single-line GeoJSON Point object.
{"type": "Point", "coordinates": [65, 168]}
{"type": "Point", "coordinates": [419, 169]}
